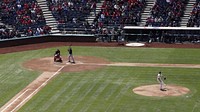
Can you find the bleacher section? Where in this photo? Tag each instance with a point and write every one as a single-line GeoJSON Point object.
{"type": "Point", "coordinates": [71, 15]}
{"type": "Point", "coordinates": [194, 20]}
{"type": "Point", "coordinates": [166, 13]}
{"type": "Point", "coordinates": [23, 16]}
{"type": "Point", "coordinates": [120, 13]}
{"type": "Point", "coordinates": [28, 17]}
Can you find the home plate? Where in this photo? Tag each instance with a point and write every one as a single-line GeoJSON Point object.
{"type": "Point", "coordinates": [135, 44]}
{"type": "Point", "coordinates": [77, 62]}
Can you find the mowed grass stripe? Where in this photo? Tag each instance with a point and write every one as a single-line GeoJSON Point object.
{"type": "Point", "coordinates": [120, 102]}
{"type": "Point", "coordinates": [101, 85]}
{"type": "Point", "coordinates": [58, 103]}
{"type": "Point", "coordinates": [48, 93]}
{"type": "Point", "coordinates": [59, 90]}
{"type": "Point", "coordinates": [116, 98]}
{"type": "Point", "coordinates": [13, 77]}
{"type": "Point", "coordinates": [110, 94]}
{"type": "Point", "coordinates": [46, 96]}
{"type": "Point", "coordinates": [88, 95]}
{"type": "Point", "coordinates": [100, 104]}
{"type": "Point", "coordinates": [11, 67]}
{"type": "Point", "coordinates": [82, 94]}
{"type": "Point", "coordinates": [72, 94]}
{"type": "Point", "coordinates": [196, 106]}
{"type": "Point", "coordinates": [91, 77]}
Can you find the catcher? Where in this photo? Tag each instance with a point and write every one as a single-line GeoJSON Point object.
{"type": "Point", "coordinates": [57, 56]}
{"type": "Point", "coordinates": [160, 79]}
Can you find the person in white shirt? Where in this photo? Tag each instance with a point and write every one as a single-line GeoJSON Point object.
{"type": "Point", "coordinates": [160, 78]}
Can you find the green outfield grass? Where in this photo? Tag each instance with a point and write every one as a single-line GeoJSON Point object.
{"type": "Point", "coordinates": [108, 89]}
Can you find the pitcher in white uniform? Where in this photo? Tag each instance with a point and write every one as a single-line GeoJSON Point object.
{"type": "Point", "coordinates": [160, 80]}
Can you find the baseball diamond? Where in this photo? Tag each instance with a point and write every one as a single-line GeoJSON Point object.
{"type": "Point", "coordinates": [50, 70]}
{"type": "Point", "coordinates": [99, 56]}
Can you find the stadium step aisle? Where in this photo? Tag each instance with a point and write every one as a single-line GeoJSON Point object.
{"type": "Point", "coordinates": [145, 14]}
{"type": "Point", "coordinates": [50, 20]}
{"type": "Point", "coordinates": [188, 10]}
{"type": "Point", "coordinates": [91, 17]}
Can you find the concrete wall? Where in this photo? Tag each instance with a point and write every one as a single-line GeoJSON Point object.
{"type": "Point", "coordinates": [50, 38]}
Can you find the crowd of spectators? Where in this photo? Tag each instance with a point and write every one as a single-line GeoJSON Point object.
{"type": "Point", "coordinates": [26, 17]}
{"type": "Point", "coordinates": [37, 31]}
{"type": "Point", "coordinates": [194, 20]}
{"type": "Point", "coordinates": [22, 15]}
{"type": "Point", "coordinates": [166, 13]}
{"type": "Point", "coordinates": [71, 13]}
{"type": "Point", "coordinates": [119, 13]}
{"type": "Point", "coordinates": [114, 15]}
{"type": "Point", "coordinates": [6, 33]}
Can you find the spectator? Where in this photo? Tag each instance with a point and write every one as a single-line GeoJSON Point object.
{"type": "Point", "coordinates": [166, 13]}
{"type": "Point", "coordinates": [23, 15]}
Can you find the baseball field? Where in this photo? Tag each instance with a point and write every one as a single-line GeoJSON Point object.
{"type": "Point", "coordinates": [102, 80]}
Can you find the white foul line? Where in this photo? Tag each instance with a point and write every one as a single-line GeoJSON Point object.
{"type": "Point", "coordinates": [15, 100]}
{"type": "Point", "coordinates": [43, 84]}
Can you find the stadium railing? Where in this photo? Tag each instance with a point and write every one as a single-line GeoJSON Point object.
{"type": "Point", "coordinates": [162, 34]}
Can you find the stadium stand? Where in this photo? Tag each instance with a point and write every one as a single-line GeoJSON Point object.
{"type": "Point", "coordinates": [194, 20]}
{"type": "Point", "coordinates": [109, 17]}
{"type": "Point", "coordinates": [166, 13]}
{"type": "Point", "coordinates": [120, 12]}
{"type": "Point", "coordinates": [71, 15]}
{"type": "Point", "coordinates": [115, 14]}
{"type": "Point", "coordinates": [23, 16]}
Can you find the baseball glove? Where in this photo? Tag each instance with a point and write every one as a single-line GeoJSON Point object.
{"type": "Point", "coordinates": [165, 78]}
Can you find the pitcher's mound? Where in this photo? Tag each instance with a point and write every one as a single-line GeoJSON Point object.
{"type": "Point", "coordinates": [154, 90]}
